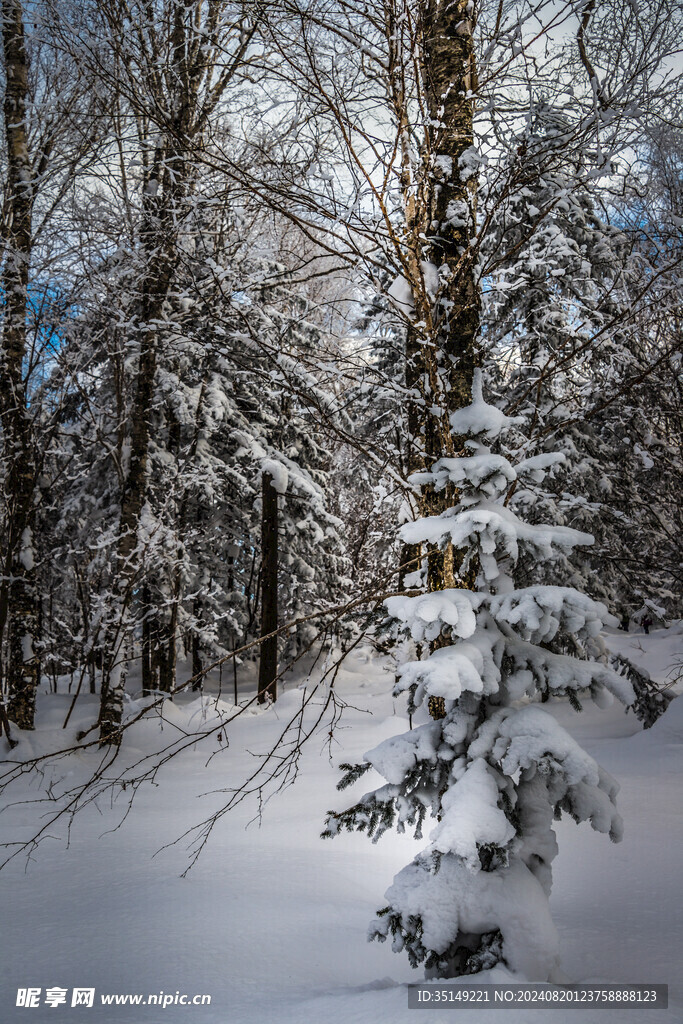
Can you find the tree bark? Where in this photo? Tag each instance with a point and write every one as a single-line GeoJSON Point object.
{"type": "Point", "coordinates": [197, 661]}
{"type": "Point", "coordinates": [267, 678]}
{"type": "Point", "coordinates": [160, 257]}
{"type": "Point", "coordinates": [18, 597]}
{"type": "Point", "coordinates": [440, 214]}
{"type": "Point", "coordinates": [449, 212]}
{"type": "Point", "coordinates": [182, 103]}
{"type": "Point", "coordinates": [445, 215]}
{"type": "Point", "coordinates": [149, 640]}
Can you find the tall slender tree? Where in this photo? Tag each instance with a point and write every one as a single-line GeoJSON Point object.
{"type": "Point", "coordinates": [267, 678]}
{"type": "Point", "coordinates": [203, 47]}
{"type": "Point", "coordinates": [18, 597]}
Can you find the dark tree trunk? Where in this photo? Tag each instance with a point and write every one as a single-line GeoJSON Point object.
{"type": "Point", "coordinates": [168, 651]}
{"type": "Point", "coordinates": [197, 662]}
{"type": "Point", "coordinates": [132, 501]}
{"type": "Point", "coordinates": [18, 595]}
{"type": "Point", "coordinates": [267, 686]}
{"type": "Point", "coordinates": [176, 104]}
{"type": "Point", "coordinates": [159, 251]}
{"type": "Point", "coordinates": [149, 666]}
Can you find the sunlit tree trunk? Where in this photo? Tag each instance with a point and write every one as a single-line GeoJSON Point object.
{"type": "Point", "coordinates": [440, 206]}
{"type": "Point", "coordinates": [439, 198]}
{"type": "Point", "coordinates": [448, 211]}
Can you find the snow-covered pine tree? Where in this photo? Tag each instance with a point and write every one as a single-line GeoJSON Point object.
{"type": "Point", "coordinates": [372, 471]}
{"type": "Point", "coordinates": [235, 391]}
{"type": "Point", "coordinates": [495, 768]}
{"type": "Point", "coordinates": [576, 355]}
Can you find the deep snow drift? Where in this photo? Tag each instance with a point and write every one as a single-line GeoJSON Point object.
{"type": "Point", "coordinates": [271, 921]}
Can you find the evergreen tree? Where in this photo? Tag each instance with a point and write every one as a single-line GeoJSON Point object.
{"type": "Point", "coordinates": [235, 392]}
{"type": "Point", "coordinates": [576, 345]}
{"type": "Point", "coordinates": [492, 768]}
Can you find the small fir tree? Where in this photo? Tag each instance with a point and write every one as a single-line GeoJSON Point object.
{"type": "Point", "coordinates": [491, 766]}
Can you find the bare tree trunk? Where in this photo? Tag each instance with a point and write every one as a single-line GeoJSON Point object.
{"type": "Point", "coordinates": [449, 212]}
{"type": "Point", "coordinates": [197, 661]}
{"type": "Point", "coordinates": [410, 554]}
{"type": "Point", "coordinates": [18, 599]}
{"type": "Point", "coordinates": [160, 257]}
{"type": "Point", "coordinates": [267, 686]}
{"type": "Point", "coordinates": [446, 210]}
{"type": "Point", "coordinates": [168, 648]}
{"type": "Point", "coordinates": [445, 213]}
{"type": "Point", "coordinates": [183, 100]}
{"type": "Point", "coordinates": [147, 645]}
{"type": "Point", "coordinates": [439, 204]}
{"type": "Point", "coordinates": [168, 631]}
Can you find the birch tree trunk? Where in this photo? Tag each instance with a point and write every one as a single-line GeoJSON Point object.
{"type": "Point", "coordinates": [448, 211]}
{"type": "Point", "coordinates": [439, 199]}
{"type": "Point", "coordinates": [442, 347]}
{"type": "Point", "coordinates": [18, 598]}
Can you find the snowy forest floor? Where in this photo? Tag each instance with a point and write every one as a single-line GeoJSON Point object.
{"type": "Point", "coordinates": [271, 921]}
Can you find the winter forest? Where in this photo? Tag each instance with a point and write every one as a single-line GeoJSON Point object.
{"type": "Point", "coordinates": [341, 539]}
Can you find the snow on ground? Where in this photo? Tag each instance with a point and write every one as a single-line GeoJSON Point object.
{"type": "Point", "coordinates": [271, 920]}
